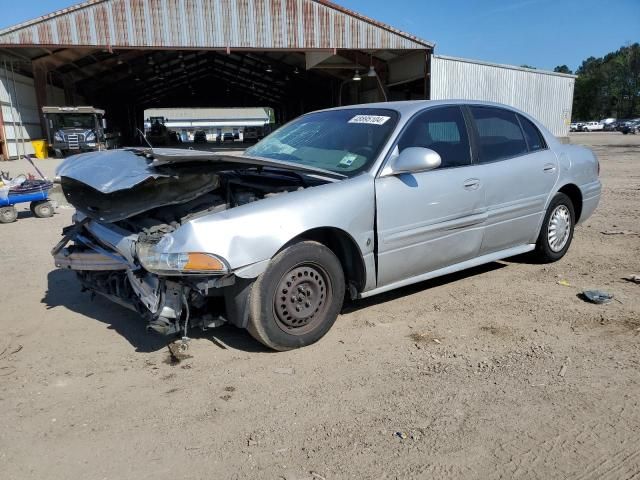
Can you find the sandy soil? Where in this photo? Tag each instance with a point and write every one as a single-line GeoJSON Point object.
{"type": "Point", "coordinates": [498, 372]}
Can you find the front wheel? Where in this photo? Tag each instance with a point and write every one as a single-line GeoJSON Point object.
{"type": "Point", "coordinates": [297, 299]}
{"type": "Point", "coordinates": [557, 229]}
{"type": "Point", "coordinates": [8, 214]}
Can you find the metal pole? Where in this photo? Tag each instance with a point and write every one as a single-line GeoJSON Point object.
{"type": "Point", "coordinates": [15, 90]}
{"type": "Point", "coordinates": [12, 110]}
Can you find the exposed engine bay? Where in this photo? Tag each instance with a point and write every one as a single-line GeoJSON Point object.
{"type": "Point", "coordinates": [116, 228]}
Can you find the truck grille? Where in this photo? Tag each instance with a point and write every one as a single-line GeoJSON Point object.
{"type": "Point", "coordinates": [73, 141]}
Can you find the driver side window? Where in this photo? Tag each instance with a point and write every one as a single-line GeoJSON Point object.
{"type": "Point", "coordinates": [444, 131]}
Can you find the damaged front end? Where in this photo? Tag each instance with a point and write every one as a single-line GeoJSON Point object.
{"type": "Point", "coordinates": [130, 207]}
{"type": "Point", "coordinates": [173, 292]}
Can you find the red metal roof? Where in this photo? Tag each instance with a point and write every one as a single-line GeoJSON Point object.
{"type": "Point", "coordinates": [240, 24]}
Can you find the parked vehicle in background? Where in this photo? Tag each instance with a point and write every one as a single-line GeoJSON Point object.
{"type": "Point", "coordinates": [72, 130]}
{"type": "Point", "coordinates": [174, 137]}
{"type": "Point", "coordinates": [156, 132]}
{"type": "Point", "coordinates": [356, 200]}
{"type": "Point", "coordinates": [250, 134]}
{"type": "Point", "coordinates": [592, 127]}
{"type": "Point", "coordinates": [608, 124]}
{"type": "Point", "coordinates": [575, 127]}
{"type": "Point", "coordinates": [632, 127]}
{"type": "Point", "coordinates": [200, 136]}
{"type": "Point", "coordinates": [227, 137]}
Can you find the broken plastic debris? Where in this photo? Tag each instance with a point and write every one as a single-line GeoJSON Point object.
{"type": "Point", "coordinates": [564, 283]}
{"type": "Point", "coordinates": [633, 278]}
{"type": "Point", "coordinates": [597, 296]}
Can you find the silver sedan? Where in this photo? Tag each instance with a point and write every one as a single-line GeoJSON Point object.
{"type": "Point", "coordinates": [351, 201]}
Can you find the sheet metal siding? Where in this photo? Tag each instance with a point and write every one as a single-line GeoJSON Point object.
{"type": "Point", "coordinates": [20, 111]}
{"type": "Point", "coordinates": [278, 24]}
{"type": "Point", "coordinates": [546, 97]}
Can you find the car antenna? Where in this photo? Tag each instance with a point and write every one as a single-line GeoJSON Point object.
{"type": "Point", "coordinates": [145, 138]}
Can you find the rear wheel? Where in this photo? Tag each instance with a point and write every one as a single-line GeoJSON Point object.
{"type": "Point", "coordinates": [8, 214]}
{"type": "Point", "coordinates": [42, 209]}
{"type": "Point", "coordinates": [297, 299]}
{"type": "Point", "coordinates": [557, 229]}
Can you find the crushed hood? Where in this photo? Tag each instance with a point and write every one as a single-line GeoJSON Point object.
{"type": "Point", "coordinates": [116, 184]}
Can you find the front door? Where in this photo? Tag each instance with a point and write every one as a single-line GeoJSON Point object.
{"type": "Point", "coordinates": [429, 220]}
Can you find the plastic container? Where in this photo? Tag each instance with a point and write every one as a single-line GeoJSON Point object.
{"type": "Point", "coordinates": [40, 148]}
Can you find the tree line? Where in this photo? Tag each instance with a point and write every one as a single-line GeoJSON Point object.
{"type": "Point", "coordinates": [608, 86]}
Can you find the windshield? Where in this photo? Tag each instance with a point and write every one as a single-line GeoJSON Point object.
{"type": "Point", "coordinates": [74, 120]}
{"type": "Point", "coordinates": [343, 141]}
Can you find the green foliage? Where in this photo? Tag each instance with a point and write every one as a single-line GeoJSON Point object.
{"type": "Point", "coordinates": [608, 86]}
{"type": "Point", "coordinates": [562, 69]}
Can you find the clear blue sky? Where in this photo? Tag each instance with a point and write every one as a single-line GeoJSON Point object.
{"type": "Point", "coordinates": [541, 33]}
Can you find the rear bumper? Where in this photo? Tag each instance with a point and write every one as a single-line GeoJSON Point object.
{"type": "Point", "coordinates": [591, 193]}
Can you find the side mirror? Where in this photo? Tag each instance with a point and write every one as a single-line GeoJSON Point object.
{"type": "Point", "coordinates": [414, 160]}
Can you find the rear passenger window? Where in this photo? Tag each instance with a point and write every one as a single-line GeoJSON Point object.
{"type": "Point", "coordinates": [500, 135]}
{"type": "Point", "coordinates": [535, 140]}
{"type": "Point", "coordinates": [443, 130]}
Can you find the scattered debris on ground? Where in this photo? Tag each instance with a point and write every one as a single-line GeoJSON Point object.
{"type": "Point", "coordinates": [596, 296]}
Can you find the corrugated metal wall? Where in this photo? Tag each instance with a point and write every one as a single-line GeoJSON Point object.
{"type": "Point", "coordinates": [285, 24]}
{"type": "Point", "coordinates": [546, 96]}
{"type": "Point", "coordinates": [20, 111]}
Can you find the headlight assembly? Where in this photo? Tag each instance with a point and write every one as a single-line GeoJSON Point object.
{"type": "Point", "coordinates": [91, 137]}
{"type": "Point", "coordinates": [187, 263]}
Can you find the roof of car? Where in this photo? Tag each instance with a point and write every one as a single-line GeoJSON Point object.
{"type": "Point", "coordinates": [412, 106]}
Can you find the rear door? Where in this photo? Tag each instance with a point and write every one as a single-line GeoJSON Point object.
{"type": "Point", "coordinates": [429, 220]}
{"type": "Point", "coordinates": [519, 171]}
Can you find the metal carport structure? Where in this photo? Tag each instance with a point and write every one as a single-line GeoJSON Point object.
{"type": "Point", "coordinates": [291, 55]}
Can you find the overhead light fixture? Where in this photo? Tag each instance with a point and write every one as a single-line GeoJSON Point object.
{"type": "Point", "coordinates": [120, 61]}
{"type": "Point", "coordinates": [269, 69]}
{"type": "Point", "coordinates": [356, 76]}
{"type": "Point", "coordinates": [137, 78]}
{"type": "Point", "coordinates": [150, 61]}
{"type": "Point", "coordinates": [296, 71]}
{"type": "Point", "coordinates": [372, 71]}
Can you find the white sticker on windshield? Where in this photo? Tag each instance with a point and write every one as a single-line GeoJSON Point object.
{"type": "Point", "coordinates": [370, 119]}
{"type": "Point", "coordinates": [347, 160]}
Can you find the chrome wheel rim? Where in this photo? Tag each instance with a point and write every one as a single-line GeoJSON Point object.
{"type": "Point", "coordinates": [559, 228]}
{"type": "Point", "coordinates": [302, 297]}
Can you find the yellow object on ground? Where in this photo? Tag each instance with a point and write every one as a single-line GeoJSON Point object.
{"type": "Point", "coordinates": [40, 147]}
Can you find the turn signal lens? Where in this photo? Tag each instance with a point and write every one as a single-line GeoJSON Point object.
{"type": "Point", "coordinates": [203, 263]}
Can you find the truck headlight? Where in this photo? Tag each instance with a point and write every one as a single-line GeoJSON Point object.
{"type": "Point", "coordinates": [187, 263]}
{"type": "Point", "coordinates": [91, 137]}
{"type": "Point", "coordinates": [58, 137]}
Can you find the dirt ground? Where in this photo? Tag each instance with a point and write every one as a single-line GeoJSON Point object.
{"type": "Point", "coordinates": [497, 372]}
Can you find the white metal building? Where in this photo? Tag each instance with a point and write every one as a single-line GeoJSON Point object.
{"type": "Point", "coordinates": [546, 96]}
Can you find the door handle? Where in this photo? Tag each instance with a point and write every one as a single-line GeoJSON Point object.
{"type": "Point", "coordinates": [471, 184]}
{"type": "Point", "coordinates": [549, 168]}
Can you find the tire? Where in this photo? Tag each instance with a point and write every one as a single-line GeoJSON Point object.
{"type": "Point", "coordinates": [556, 232]}
{"type": "Point", "coordinates": [8, 214]}
{"type": "Point", "coordinates": [42, 209]}
{"type": "Point", "coordinates": [314, 274]}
